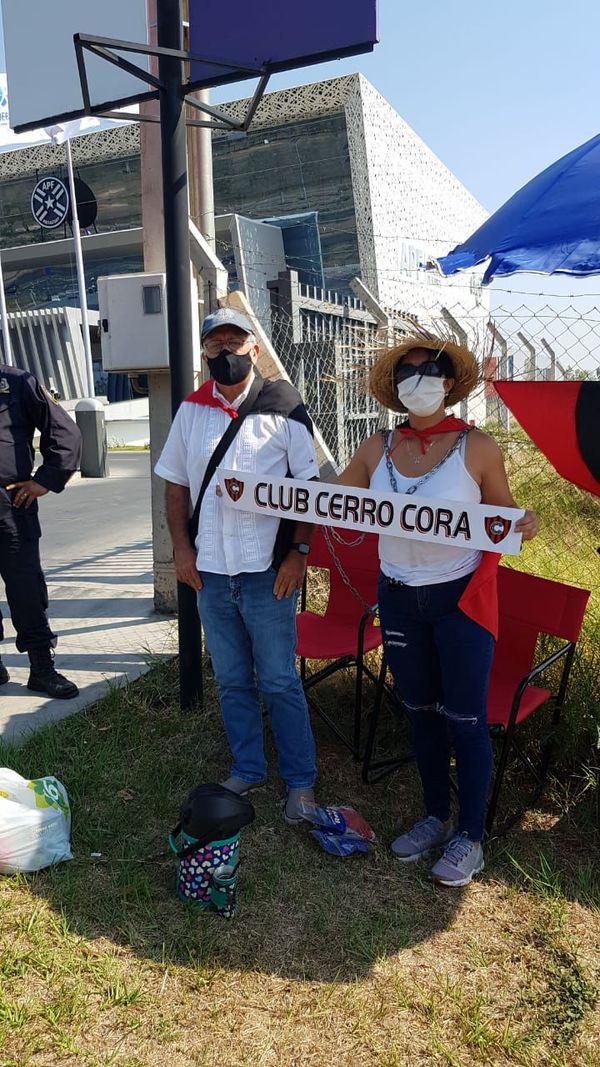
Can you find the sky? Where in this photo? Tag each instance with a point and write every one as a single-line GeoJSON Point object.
{"type": "Point", "coordinates": [498, 90]}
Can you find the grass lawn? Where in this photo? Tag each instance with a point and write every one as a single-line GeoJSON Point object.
{"type": "Point", "coordinates": [329, 962]}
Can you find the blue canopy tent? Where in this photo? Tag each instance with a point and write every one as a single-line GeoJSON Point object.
{"type": "Point", "coordinates": [550, 226]}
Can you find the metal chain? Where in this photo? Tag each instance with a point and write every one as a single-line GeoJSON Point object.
{"type": "Point", "coordinates": [329, 536]}
{"type": "Point", "coordinates": [336, 536]}
{"type": "Point", "coordinates": [387, 438]}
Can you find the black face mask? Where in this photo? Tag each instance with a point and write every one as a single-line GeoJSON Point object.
{"type": "Point", "coordinates": [229, 369]}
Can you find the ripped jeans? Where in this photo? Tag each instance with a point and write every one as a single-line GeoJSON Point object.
{"type": "Point", "coordinates": [440, 661]}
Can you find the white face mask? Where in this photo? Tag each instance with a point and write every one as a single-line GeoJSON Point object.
{"type": "Point", "coordinates": [421, 395]}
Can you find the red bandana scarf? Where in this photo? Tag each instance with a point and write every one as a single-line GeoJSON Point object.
{"type": "Point", "coordinates": [447, 424]}
{"type": "Point", "coordinates": [205, 396]}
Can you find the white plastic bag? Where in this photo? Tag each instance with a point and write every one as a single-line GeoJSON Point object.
{"type": "Point", "coordinates": [35, 823]}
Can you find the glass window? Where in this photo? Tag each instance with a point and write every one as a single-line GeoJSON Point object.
{"type": "Point", "coordinates": [292, 168]}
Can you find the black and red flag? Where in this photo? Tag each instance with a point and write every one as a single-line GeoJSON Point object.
{"type": "Point", "coordinates": [563, 420]}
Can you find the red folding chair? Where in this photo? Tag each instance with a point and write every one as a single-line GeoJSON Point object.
{"type": "Point", "coordinates": [346, 630]}
{"type": "Point", "coordinates": [529, 607]}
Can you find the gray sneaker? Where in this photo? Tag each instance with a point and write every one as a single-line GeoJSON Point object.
{"type": "Point", "coordinates": [292, 812]}
{"type": "Point", "coordinates": [461, 860]}
{"type": "Point", "coordinates": [425, 835]}
{"type": "Point", "coordinates": [241, 786]}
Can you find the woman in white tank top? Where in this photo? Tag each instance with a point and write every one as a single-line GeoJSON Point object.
{"type": "Point", "coordinates": [438, 647]}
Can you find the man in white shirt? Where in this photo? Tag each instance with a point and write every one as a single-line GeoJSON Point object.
{"type": "Point", "coordinates": [246, 594]}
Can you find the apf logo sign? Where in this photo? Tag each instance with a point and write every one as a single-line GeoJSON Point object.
{"type": "Point", "coordinates": [50, 202]}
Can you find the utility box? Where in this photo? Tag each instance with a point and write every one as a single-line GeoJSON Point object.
{"type": "Point", "coordinates": [133, 322]}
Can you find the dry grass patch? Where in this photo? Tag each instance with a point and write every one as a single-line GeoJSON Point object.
{"type": "Point", "coordinates": [330, 962]}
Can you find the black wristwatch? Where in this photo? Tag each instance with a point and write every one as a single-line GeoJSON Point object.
{"type": "Point", "coordinates": [301, 547]}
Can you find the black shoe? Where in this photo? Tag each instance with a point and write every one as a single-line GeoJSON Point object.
{"type": "Point", "coordinates": [44, 678]}
{"type": "Point", "coordinates": [4, 675]}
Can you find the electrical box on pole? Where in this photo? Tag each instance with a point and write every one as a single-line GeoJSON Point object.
{"type": "Point", "coordinates": [134, 322]}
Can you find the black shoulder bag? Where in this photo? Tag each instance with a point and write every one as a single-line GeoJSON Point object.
{"type": "Point", "coordinates": [220, 450]}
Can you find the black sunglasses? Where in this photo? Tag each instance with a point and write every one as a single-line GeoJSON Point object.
{"type": "Point", "coordinates": [430, 369]}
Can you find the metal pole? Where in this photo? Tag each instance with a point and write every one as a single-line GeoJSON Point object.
{"type": "Point", "coordinates": [85, 326]}
{"type": "Point", "coordinates": [179, 309]}
{"type": "Point", "coordinates": [204, 207]}
{"type": "Point", "coordinates": [5, 327]}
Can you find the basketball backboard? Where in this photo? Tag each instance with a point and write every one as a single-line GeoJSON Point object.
{"type": "Point", "coordinates": [277, 34]}
{"type": "Point", "coordinates": [41, 63]}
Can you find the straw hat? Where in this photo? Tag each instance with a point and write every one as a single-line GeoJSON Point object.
{"type": "Point", "coordinates": [467, 371]}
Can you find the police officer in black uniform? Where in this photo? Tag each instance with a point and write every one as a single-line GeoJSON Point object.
{"type": "Point", "coordinates": [24, 407]}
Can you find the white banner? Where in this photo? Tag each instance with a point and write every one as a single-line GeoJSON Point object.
{"type": "Point", "coordinates": [451, 522]}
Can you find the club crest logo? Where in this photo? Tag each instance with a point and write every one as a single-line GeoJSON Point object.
{"type": "Point", "coordinates": [497, 528]}
{"type": "Point", "coordinates": [234, 487]}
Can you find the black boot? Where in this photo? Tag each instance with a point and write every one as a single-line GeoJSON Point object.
{"type": "Point", "coordinates": [4, 675]}
{"type": "Point", "coordinates": [44, 679]}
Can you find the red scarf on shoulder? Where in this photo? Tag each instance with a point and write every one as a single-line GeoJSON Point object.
{"type": "Point", "coordinates": [205, 396]}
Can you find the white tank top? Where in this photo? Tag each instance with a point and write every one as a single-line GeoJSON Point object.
{"type": "Point", "coordinates": [420, 562]}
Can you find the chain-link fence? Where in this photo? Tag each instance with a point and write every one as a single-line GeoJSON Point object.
{"type": "Point", "coordinates": [326, 353]}
{"type": "Point", "coordinates": [328, 344]}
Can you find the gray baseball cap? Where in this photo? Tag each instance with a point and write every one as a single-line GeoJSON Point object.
{"type": "Point", "coordinates": [225, 317]}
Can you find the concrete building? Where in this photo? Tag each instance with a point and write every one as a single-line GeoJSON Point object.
{"type": "Point", "coordinates": [386, 206]}
{"type": "Point", "coordinates": [351, 188]}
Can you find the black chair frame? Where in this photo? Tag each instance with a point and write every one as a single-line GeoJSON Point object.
{"type": "Point", "coordinates": [374, 772]}
{"type": "Point", "coordinates": [507, 739]}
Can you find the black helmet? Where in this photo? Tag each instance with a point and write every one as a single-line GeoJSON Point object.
{"type": "Point", "coordinates": [212, 813]}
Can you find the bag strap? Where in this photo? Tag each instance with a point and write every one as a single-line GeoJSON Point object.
{"type": "Point", "coordinates": [221, 448]}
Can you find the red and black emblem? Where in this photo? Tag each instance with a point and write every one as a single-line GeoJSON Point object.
{"type": "Point", "coordinates": [497, 528]}
{"type": "Point", "coordinates": [234, 487]}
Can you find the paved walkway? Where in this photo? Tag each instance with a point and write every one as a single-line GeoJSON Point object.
{"type": "Point", "coordinates": [97, 556]}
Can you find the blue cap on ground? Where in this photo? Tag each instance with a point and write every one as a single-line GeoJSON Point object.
{"type": "Point", "coordinates": [225, 317]}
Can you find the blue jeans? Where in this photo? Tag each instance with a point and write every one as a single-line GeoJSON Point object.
{"type": "Point", "coordinates": [251, 638]}
{"type": "Point", "coordinates": [440, 660]}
